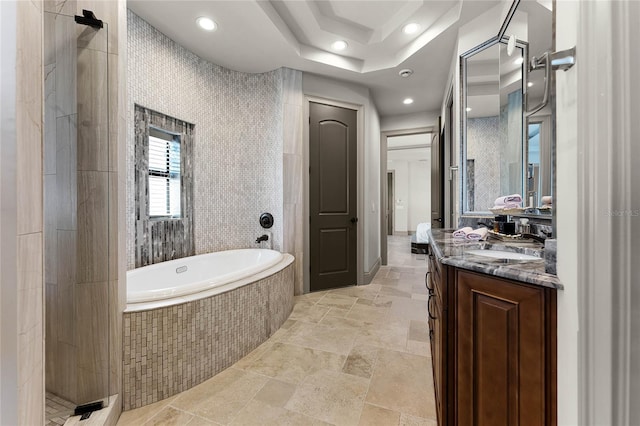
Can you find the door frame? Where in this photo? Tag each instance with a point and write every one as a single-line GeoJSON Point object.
{"type": "Point", "coordinates": [384, 196]}
{"type": "Point", "coordinates": [359, 185]}
{"type": "Point", "coordinates": [393, 205]}
{"type": "Point", "coordinates": [451, 158]}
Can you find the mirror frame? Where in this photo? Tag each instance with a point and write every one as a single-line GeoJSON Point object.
{"type": "Point", "coordinates": [501, 39]}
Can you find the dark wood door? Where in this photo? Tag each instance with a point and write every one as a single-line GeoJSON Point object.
{"type": "Point", "coordinates": [437, 178]}
{"type": "Point", "coordinates": [500, 352]}
{"type": "Point", "coordinates": [333, 196]}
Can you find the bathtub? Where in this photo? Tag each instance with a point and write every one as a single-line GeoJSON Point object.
{"type": "Point", "coordinates": [191, 278]}
{"type": "Point", "coordinates": [188, 319]}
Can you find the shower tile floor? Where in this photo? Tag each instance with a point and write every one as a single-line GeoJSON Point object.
{"type": "Point", "coordinates": [350, 356]}
{"type": "Point", "coordinates": [57, 410]}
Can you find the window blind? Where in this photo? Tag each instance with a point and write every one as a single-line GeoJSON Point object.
{"type": "Point", "coordinates": [164, 174]}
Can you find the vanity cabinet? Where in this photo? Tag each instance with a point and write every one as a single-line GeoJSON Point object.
{"type": "Point", "coordinates": [441, 344]}
{"type": "Point", "coordinates": [493, 346]}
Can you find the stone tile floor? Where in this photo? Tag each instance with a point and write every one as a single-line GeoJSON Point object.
{"type": "Point", "coordinates": [350, 356]}
{"type": "Point", "coordinates": [57, 410]}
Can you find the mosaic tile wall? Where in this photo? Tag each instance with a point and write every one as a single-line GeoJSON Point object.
{"type": "Point", "coordinates": [483, 141]}
{"type": "Point", "coordinates": [238, 151]}
{"type": "Point", "coordinates": [511, 145]}
{"type": "Point", "coordinates": [158, 240]}
{"type": "Point", "coordinates": [169, 350]}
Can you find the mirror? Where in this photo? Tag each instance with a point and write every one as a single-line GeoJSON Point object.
{"type": "Point", "coordinates": [506, 133]}
{"type": "Point", "coordinates": [493, 124]}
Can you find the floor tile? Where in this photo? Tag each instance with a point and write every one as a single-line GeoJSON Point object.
{"type": "Point", "coordinates": [170, 416]}
{"type": "Point", "coordinates": [330, 396]}
{"type": "Point", "coordinates": [378, 416]}
{"type": "Point", "coordinates": [409, 420]}
{"type": "Point", "coordinates": [220, 398]}
{"type": "Point", "coordinates": [292, 363]}
{"type": "Point", "coordinates": [336, 300]}
{"type": "Point", "coordinates": [141, 415]}
{"type": "Point", "coordinates": [361, 361]}
{"type": "Point", "coordinates": [337, 340]}
{"type": "Point", "coordinates": [258, 413]}
{"type": "Point", "coordinates": [403, 382]}
{"type": "Point", "coordinates": [275, 393]}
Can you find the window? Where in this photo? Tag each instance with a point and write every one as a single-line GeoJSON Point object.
{"type": "Point", "coordinates": [164, 174]}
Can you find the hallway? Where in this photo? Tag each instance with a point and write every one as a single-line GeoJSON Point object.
{"type": "Point", "coordinates": [350, 356]}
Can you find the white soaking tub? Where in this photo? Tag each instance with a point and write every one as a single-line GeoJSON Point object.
{"type": "Point", "coordinates": [196, 277]}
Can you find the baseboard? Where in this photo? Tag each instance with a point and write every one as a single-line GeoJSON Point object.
{"type": "Point", "coordinates": [368, 276]}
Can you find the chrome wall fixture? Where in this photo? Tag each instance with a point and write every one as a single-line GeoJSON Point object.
{"type": "Point", "coordinates": [562, 60]}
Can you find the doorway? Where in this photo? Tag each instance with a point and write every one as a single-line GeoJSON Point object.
{"type": "Point", "coordinates": [405, 154]}
{"type": "Point", "coordinates": [332, 196]}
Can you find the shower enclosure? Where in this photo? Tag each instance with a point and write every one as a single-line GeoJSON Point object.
{"type": "Point", "coordinates": [78, 179]}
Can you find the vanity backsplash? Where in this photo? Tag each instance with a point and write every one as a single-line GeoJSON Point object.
{"type": "Point", "coordinates": [539, 227]}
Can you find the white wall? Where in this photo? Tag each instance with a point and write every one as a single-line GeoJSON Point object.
{"type": "Point", "coordinates": [412, 193]}
{"type": "Point", "coordinates": [409, 121]}
{"type": "Point", "coordinates": [419, 194]}
{"type": "Point", "coordinates": [566, 218]}
{"type": "Point", "coordinates": [401, 196]}
{"type": "Point", "coordinates": [318, 86]}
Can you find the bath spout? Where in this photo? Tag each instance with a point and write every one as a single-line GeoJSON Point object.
{"type": "Point", "coordinates": [262, 238]}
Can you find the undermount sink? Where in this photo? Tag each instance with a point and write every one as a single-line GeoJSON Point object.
{"type": "Point", "coordinates": [501, 254]}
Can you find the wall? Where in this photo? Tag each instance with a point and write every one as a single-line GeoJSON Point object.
{"type": "Point", "coordinates": [401, 196]}
{"type": "Point", "coordinates": [566, 223]}
{"type": "Point", "coordinates": [483, 146]}
{"type": "Point", "coordinates": [21, 263]}
{"type": "Point", "coordinates": [293, 160]}
{"type": "Point", "coordinates": [314, 85]}
{"type": "Point", "coordinates": [238, 171]}
{"type": "Point", "coordinates": [419, 194]}
{"type": "Point", "coordinates": [161, 239]}
{"type": "Point", "coordinates": [21, 189]}
{"type": "Point", "coordinates": [409, 121]}
{"type": "Point", "coordinates": [412, 185]}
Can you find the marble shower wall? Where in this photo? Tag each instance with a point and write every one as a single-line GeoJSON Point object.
{"type": "Point", "coordinates": [293, 160]}
{"type": "Point", "coordinates": [21, 289]}
{"type": "Point", "coordinates": [483, 146]}
{"type": "Point", "coordinates": [238, 149]}
{"type": "Point", "coordinates": [78, 171]}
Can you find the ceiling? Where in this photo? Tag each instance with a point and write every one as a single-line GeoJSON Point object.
{"type": "Point", "coordinates": [261, 35]}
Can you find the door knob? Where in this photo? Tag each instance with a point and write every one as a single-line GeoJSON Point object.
{"type": "Point", "coordinates": [354, 220]}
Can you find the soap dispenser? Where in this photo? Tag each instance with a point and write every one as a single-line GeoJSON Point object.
{"type": "Point", "coordinates": [525, 228]}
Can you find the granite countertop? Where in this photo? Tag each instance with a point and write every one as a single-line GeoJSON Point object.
{"type": "Point", "coordinates": [453, 251]}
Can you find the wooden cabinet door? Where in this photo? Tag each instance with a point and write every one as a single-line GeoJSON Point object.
{"type": "Point", "coordinates": [500, 377]}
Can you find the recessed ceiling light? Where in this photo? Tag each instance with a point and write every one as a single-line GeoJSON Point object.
{"type": "Point", "coordinates": [519, 61]}
{"type": "Point", "coordinates": [339, 45]}
{"type": "Point", "coordinates": [529, 84]}
{"type": "Point", "coordinates": [410, 28]}
{"type": "Point", "coordinates": [468, 109]}
{"type": "Point", "coordinates": [206, 23]}
{"type": "Point", "coordinates": [408, 101]}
